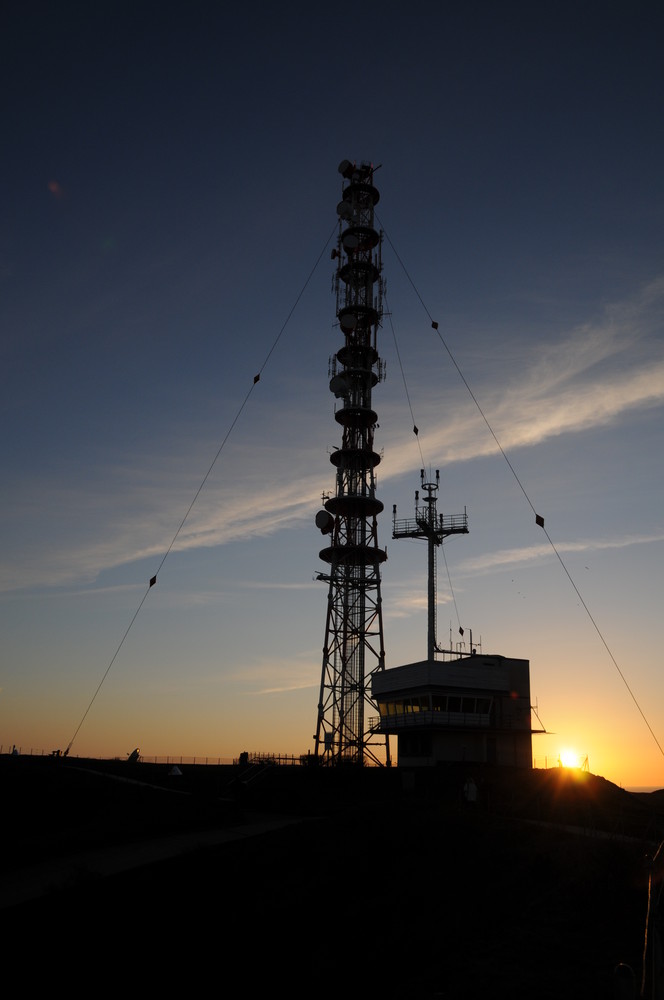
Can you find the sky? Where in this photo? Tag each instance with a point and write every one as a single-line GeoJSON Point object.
{"type": "Point", "coordinates": [169, 186]}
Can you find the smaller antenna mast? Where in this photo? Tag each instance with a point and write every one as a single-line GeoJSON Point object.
{"type": "Point", "coordinates": [433, 527]}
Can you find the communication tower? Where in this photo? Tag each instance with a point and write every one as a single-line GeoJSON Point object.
{"type": "Point", "coordinates": [433, 527]}
{"type": "Point", "coordinates": [353, 649]}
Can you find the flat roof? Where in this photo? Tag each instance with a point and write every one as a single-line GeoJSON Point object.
{"type": "Point", "coordinates": [488, 672]}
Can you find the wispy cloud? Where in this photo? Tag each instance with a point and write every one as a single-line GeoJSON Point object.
{"type": "Point", "coordinates": [285, 688]}
{"type": "Point", "coordinates": [587, 379]}
{"type": "Point", "coordinates": [278, 675]}
{"type": "Point", "coordinates": [508, 558]}
{"type": "Point", "coordinates": [404, 599]}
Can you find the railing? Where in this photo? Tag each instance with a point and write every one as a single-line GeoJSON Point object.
{"type": "Point", "coordinates": [448, 720]}
{"type": "Point", "coordinates": [172, 759]}
{"type": "Point", "coordinates": [12, 749]}
{"type": "Point", "coordinates": [545, 763]}
{"type": "Point", "coordinates": [186, 760]}
{"type": "Point", "coordinates": [463, 720]}
{"type": "Point", "coordinates": [289, 760]}
{"type": "Point", "coordinates": [452, 523]}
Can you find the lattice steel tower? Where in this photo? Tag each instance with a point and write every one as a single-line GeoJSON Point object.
{"type": "Point", "coordinates": [353, 648]}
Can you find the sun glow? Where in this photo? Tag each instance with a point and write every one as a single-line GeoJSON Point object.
{"type": "Point", "coordinates": [570, 758]}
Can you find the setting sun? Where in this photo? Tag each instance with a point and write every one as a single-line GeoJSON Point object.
{"type": "Point", "coordinates": [569, 758]}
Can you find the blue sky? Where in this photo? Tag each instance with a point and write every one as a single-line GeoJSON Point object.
{"type": "Point", "coordinates": [170, 180]}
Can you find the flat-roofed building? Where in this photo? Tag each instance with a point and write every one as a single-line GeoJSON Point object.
{"type": "Point", "coordinates": [475, 708]}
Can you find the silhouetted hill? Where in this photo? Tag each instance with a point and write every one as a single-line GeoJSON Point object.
{"type": "Point", "coordinates": [383, 880]}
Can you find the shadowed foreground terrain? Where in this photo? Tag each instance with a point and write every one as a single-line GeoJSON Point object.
{"type": "Point", "coordinates": [375, 880]}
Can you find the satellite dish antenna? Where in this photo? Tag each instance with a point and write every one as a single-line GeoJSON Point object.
{"type": "Point", "coordinates": [344, 211]}
{"type": "Point", "coordinates": [347, 320]}
{"type": "Point", "coordinates": [345, 168]}
{"type": "Point", "coordinates": [339, 386]}
{"type": "Point", "coordinates": [324, 522]}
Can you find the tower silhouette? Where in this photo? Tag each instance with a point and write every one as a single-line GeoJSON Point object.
{"type": "Point", "coordinates": [353, 650]}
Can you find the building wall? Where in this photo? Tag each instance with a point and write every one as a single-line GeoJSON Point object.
{"type": "Point", "coordinates": [429, 749]}
{"type": "Point", "coordinates": [426, 737]}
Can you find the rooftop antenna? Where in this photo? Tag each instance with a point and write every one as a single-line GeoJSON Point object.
{"type": "Point", "coordinates": [353, 650]}
{"type": "Point", "coordinates": [434, 528]}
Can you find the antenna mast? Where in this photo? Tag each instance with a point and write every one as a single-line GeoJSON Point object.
{"type": "Point", "coordinates": [354, 648]}
{"type": "Point", "coordinates": [432, 526]}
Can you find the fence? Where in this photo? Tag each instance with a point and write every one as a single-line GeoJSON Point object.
{"type": "Point", "coordinates": [580, 762]}
{"type": "Point", "coordinates": [288, 759]}
{"type": "Point", "coordinates": [169, 759]}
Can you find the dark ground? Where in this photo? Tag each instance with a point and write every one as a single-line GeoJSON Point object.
{"type": "Point", "coordinates": [383, 882]}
